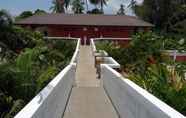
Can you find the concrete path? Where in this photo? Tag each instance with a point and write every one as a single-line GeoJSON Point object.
{"type": "Point", "coordinates": [88, 98]}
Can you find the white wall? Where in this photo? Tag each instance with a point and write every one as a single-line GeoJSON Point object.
{"type": "Point", "coordinates": [111, 62]}
{"type": "Point", "coordinates": [131, 101]}
{"type": "Point", "coordinates": [52, 100]}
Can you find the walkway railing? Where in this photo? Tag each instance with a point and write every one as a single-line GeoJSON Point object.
{"type": "Point", "coordinates": [106, 39]}
{"type": "Point", "coordinates": [176, 55]}
{"type": "Point", "coordinates": [130, 100]}
{"type": "Point", "coordinates": [52, 100]}
{"type": "Point", "coordinates": [107, 60]}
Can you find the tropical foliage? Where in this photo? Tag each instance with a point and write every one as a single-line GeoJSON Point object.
{"type": "Point", "coordinates": [59, 6]}
{"type": "Point", "coordinates": [27, 64]}
{"type": "Point", "coordinates": [144, 63]}
{"type": "Point", "coordinates": [121, 11]}
{"type": "Point", "coordinates": [97, 3]}
{"type": "Point", "coordinates": [26, 14]}
{"type": "Point", "coordinates": [77, 6]}
{"type": "Point", "coordinates": [32, 69]}
{"type": "Point", "coordinates": [167, 15]}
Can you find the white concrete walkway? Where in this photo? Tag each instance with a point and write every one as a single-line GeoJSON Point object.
{"type": "Point", "coordinates": [88, 98]}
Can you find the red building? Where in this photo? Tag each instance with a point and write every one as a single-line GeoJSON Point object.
{"type": "Point", "coordinates": [86, 26]}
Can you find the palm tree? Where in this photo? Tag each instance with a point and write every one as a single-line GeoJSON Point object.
{"type": "Point", "coordinates": [132, 4]}
{"type": "Point", "coordinates": [121, 11]}
{"type": "Point", "coordinates": [99, 2]}
{"type": "Point", "coordinates": [59, 6]}
{"type": "Point", "coordinates": [5, 19]}
{"type": "Point", "coordinates": [86, 2]}
{"type": "Point", "coordinates": [102, 3]}
{"type": "Point", "coordinates": [95, 3]}
{"type": "Point", "coordinates": [77, 6]}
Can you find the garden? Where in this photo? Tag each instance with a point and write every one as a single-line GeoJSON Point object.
{"type": "Point", "coordinates": [27, 64]}
{"type": "Point", "coordinates": [145, 61]}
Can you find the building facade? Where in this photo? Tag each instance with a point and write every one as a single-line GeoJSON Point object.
{"type": "Point", "coordinates": [85, 26]}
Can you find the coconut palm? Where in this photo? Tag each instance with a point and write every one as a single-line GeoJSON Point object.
{"type": "Point", "coordinates": [121, 11]}
{"type": "Point", "coordinates": [5, 19]}
{"type": "Point", "coordinates": [59, 6]}
{"type": "Point", "coordinates": [95, 3]}
{"type": "Point", "coordinates": [99, 2]}
{"type": "Point", "coordinates": [77, 6]}
{"type": "Point", "coordinates": [86, 2]}
{"type": "Point", "coordinates": [132, 5]}
{"type": "Point", "coordinates": [102, 3]}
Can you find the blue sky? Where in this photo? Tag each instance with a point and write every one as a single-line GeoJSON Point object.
{"type": "Point", "coordinates": [15, 7]}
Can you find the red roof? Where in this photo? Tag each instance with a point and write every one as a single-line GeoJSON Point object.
{"type": "Point", "coordinates": [84, 19]}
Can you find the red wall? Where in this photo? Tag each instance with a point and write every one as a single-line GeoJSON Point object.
{"type": "Point", "coordinates": [180, 58]}
{"type": "Point", "coordinates": [90, 32]}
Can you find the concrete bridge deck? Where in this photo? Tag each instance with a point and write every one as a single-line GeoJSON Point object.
{"type": "Point", "coordinates": [88, 98]}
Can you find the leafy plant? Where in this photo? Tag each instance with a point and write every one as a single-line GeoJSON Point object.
{"type": "Point", "coordinates": [146, 65]}
{"type": "Point", "coordinates": [30, 71]}
{"type": "Point", "coordinates": [46, 77]}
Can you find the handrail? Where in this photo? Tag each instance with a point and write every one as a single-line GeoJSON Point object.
{"type": "Point", "coordinates": [109, 38]}
{"type": "Point", "coordinates": [61, 38]}
{"type": "Point", "coordinates": [123, 91]}
{"type": "Point", "coordinates": [69, 38]}
{"type": "Point", "coordinates": [73, 60]}
{"type": "Point", "coordinates": [93, 45]}
{"type": "Point", "coordinates": [49, 103]}
{"type": "Point", "coordinates": [142, 103]}
{"type": "Point", "coordinates": [41, 106]}
{"type": "Point", "coordinates": [113, 63]}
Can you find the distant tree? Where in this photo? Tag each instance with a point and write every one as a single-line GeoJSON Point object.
{"type": "Point", "coordinates": [25, 14]}
{"type": "Point", "coordinates": [98, 2]}
{"type": "Point", "coordinates": [59, 6]}
{"type": "Point", "coordinates": [132, 5]}
{"type": "Point", "coordinates": [77, 6]}
{"type": "Point", "coordinates": [86, 2]}
{"type": "Point", "coordinates": [95, 11]}
{"type": "Point", "coordinates": [169, 16]}
{"type": "Point", "coordinates": [177, 22]}
{"type": "Point", "coordinates": [121, 11]}
{"type": "Point", "coordinates": [39, 11]}
{"type": "Point", "coordinates": [95, 3]}
{"type": "Point", "coordinates": [102, 3]}
{"type": "Point", "coordinates": [5, 19]}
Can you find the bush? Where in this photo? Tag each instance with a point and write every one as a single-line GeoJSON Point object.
{"type": "Point", "coordinates": [31, 70]}
{"type": "Point", "coordinates": [148, 67]}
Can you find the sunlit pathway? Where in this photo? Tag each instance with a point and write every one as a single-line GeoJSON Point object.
{"type": "Point", "coordinates": [88, 98]}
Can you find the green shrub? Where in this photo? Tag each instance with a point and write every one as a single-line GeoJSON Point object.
{"type": "Point", "coordinates": [151, 69]}
{"type": "Point", "coordinates": [31, 70]}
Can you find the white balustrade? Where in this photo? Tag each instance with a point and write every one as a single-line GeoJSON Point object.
{"type": "Point", "coordinates": [130, 100]}
{"type": "Point", "coordinates": [52, 100]}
